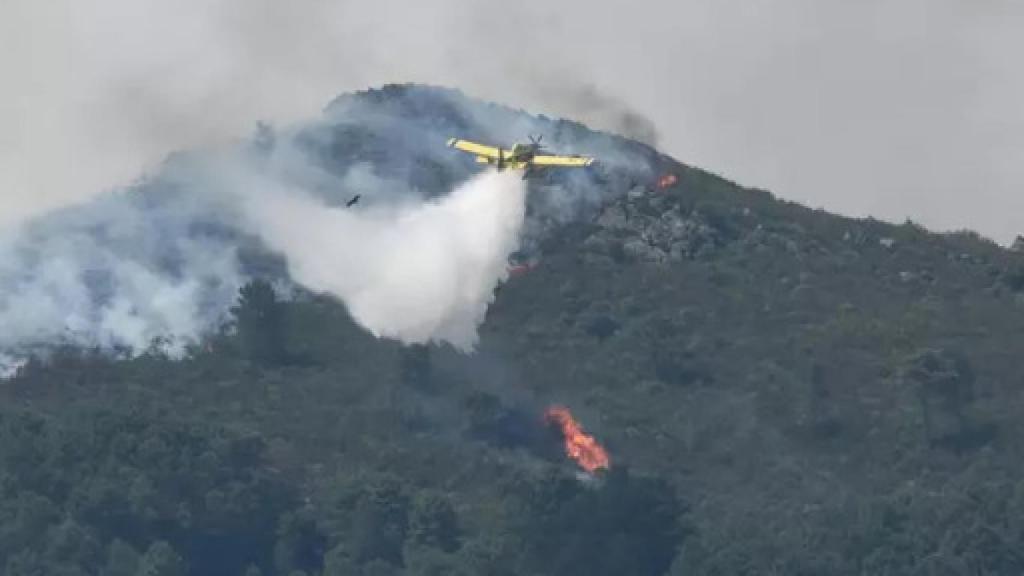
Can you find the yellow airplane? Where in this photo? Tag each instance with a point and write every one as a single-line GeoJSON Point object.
{"type": "Point", "coordinates": [520, 157]}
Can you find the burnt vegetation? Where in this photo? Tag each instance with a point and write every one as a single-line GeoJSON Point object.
{"type": "Point", "coordinates": [781, 390]}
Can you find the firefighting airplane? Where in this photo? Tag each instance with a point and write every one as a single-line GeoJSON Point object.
{"type": "Point", "coordinates": [521, 156]}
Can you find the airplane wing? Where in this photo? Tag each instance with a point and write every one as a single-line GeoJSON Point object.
{"type": "Point", "coordinates": [474, 148]}
{"type": "Point", "coordinates": [562, 161]}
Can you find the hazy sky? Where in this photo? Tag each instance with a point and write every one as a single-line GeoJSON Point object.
{"type": "Point", "coordinates": [895, 108]}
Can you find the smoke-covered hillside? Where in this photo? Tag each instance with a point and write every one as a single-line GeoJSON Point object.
{"type": "Point", "coordinates": [778, 389]}
{"type": "Point", "coordinates": [161, 261]}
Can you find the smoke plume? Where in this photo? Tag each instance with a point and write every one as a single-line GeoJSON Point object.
{"type": "Point", "coordinates": [122, 273]}
{"type": "Point", "coordinates": [127, 275]}
{"type": "Point", "coordinates": [159, 264]}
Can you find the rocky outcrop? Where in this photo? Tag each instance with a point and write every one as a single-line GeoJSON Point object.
{"type": "Point", "coordinates": [640, 227]}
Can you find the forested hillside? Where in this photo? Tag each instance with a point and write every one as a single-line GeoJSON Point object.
{"type": "Point", "coordinates": [780, 390]}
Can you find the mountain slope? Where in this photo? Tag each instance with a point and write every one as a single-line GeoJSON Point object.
{"type": "Point", "coordinates": [780, 389]}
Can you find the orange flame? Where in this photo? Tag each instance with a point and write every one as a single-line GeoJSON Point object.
{"type": "Point", "coordinates": [666, 181]}
{"type": "Point", "coordinates": [579, 446]}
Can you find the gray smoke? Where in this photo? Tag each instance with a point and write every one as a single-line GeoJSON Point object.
{"type": "Point", "coordinates": [598, 109]}
{"type": "Point", "coordinates": [123, 273]}
{"type": "Point", "coordinates": [159, 264]}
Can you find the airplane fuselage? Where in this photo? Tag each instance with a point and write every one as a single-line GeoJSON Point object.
{"type": "Point", "coordinates": [523, 152]}
{"type": "Point", "coordinates": [524, 157]}
{"type": "Point", "coordinates": [519, 157]}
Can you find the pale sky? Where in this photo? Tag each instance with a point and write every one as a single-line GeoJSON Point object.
{"type": "Point", "coordinates": [896, 109]}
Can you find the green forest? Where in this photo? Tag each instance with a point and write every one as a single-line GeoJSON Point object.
{"type": "Point", "coordinates": [780, 390]}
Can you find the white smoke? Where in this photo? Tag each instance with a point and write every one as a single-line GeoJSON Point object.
{"type": "Point", "coordinates": [125, 275]}
{"type": "Point", "coordinates": [159, 264]}
{"type": "Point", "coordinates": [414, 272]}
{"type": "Point", "coordinates": [117, 274]}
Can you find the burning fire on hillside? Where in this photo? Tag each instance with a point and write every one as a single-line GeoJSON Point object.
{"type": "Point", "coordinates": [579, 446]}
{"type": "Point", "coordinates": [666, 181]}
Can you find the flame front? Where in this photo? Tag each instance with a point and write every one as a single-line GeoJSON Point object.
{"type": "Point", "coordinates": [579, 446]}
{"type": "Point", "coordinates": [666, 181]}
